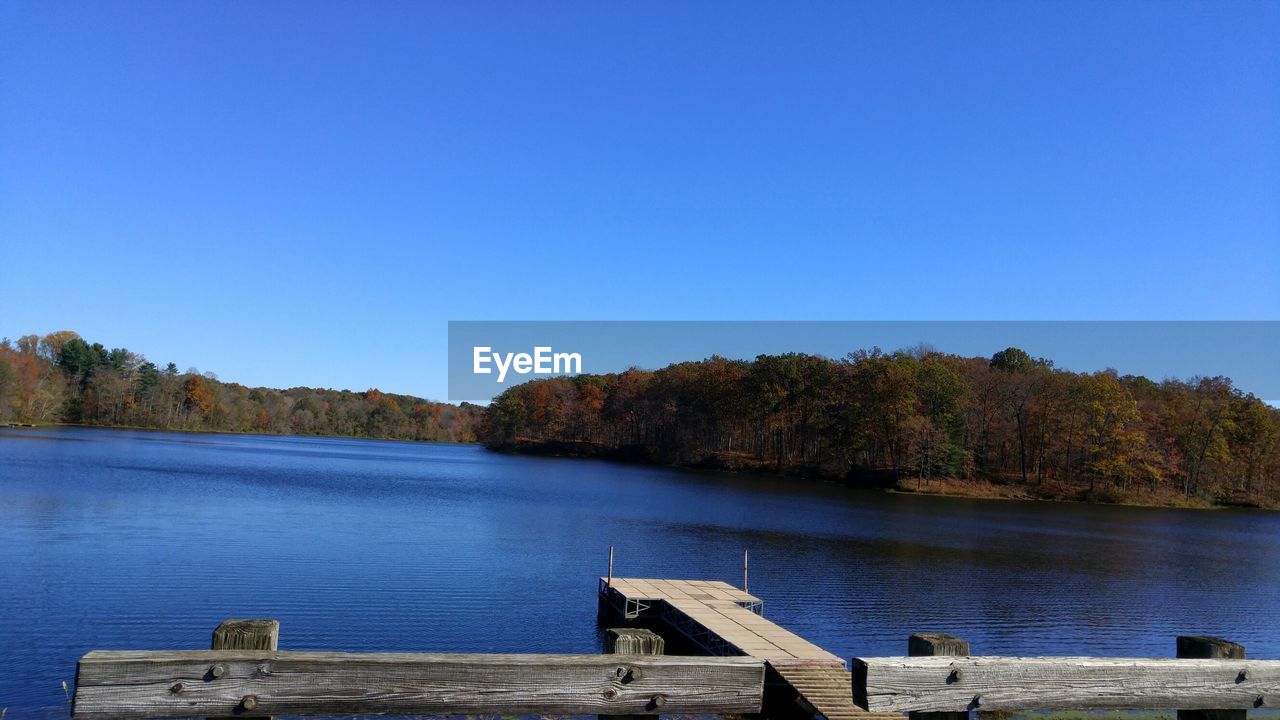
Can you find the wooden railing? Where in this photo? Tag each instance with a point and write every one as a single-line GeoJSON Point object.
{"type": "Point", "coordinates": [225, 682]}
{"type": "Point", "coordinates": [1210, 678]}
{"type": "Point", "coordinates": [245, 675]}
{"type": "Point", "coordinates": [249, 677]}
{"type": "Point", "coordinates": [943, 684]}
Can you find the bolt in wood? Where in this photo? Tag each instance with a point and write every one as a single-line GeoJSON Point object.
{"type": "Point", "coordinates": [632, 641]}
{"type": "Point", "coordinates": [930, 644]}
{"type": "Point", "coordinates": [1203, 647]}
{"type": "Point", "coordinates": [246, 635]}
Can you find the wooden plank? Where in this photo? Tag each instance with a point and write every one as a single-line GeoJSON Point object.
{"type": "Point", "coordinates": [246, 635]}
{"type": "Point", "coordinates": [1204, 646]}
{"type": "Point", "coordinates": [935, 644]}
{"type": "Point", "coordinates": [949, 684]}
{"type": "Point", "coordinates": [824, 690]}
{"type": "Point", "coordinates": [713, 604]}
{"type": "Point", "coordinates": [634, 641]}
{"type": "Point", "coordinates": [149, 684]}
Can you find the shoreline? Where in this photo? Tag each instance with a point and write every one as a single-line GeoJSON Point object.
{"type": "Point", "coordinates": [936, 487]}
{"type": "Point", "coordinates": [983, 490]}
{"type": "Point", "coordinates": [941, 487]}
{"type": "Point", "coordinates": [237, 433]}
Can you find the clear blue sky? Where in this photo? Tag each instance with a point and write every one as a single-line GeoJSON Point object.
{"type": "Point", "coordinates": [293, 194]}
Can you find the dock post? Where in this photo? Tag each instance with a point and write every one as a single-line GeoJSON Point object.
{"type": "Point", "coordinates": [246, 635]}
{"type": "Point", "coordinates": [1204, 647]}
{"type": "Point", "coordinates": [634, 641]}
{"type": "Point", "coordinates": [744, 571]}
{"type": "Point", "coordinates": [931, 644]}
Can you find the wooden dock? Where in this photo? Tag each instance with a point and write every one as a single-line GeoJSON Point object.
{"type": "Point", "coordinates": [246, 675]}
{"type": "Point", "coordinates": [720, 619]}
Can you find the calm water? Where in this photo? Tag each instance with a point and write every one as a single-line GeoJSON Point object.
{"type": "Point", "coordinates": [115, 539]}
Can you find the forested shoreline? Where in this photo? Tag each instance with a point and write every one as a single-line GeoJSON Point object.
{"type": "Point", "coordinates": [61, 378]}
{"type": "Point", "coordinates": [1006, 426]}
{"type": "Point", "coordinates": [919, 420]}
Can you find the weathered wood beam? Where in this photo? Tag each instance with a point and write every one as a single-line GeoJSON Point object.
{"type": "Point", "coordinates": [930, 644]}
{"type": "Point", "coordinates": [638, 641]}
{"type": "Point", "coordinates": [937, 644]}
{"type": "Point", "coordinates": [198, 683]}
{"type": "Point", "coordinates": [1205, 647]}
{"type": "Point", "coordinates": [246, 635]}
{"type": "Point", "coordinates": [633, 641]}
{"type": "Point", "coordinates": [954, 684]}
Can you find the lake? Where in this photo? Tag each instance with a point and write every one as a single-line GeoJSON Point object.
{"type": "Point", "coordinates": [142, 540]}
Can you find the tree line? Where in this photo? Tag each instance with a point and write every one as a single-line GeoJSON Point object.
{"type": "Point", "coordinates": [60, 377]}
{"type": "Point", "coordinates": [919, 419]}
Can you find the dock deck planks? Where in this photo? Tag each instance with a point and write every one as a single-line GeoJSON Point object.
{"type": "Point", "coordinates": [723, 611]}
{"type": "Point", "coordinates": [826, 689]}
{"type": "Point", "coordinates": [719, 608]}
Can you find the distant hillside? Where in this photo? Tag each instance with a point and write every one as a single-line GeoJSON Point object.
{"type": "Point", "coordinates": [62, 378]}
{"type": "Point", "coordinates": [1008, 426]}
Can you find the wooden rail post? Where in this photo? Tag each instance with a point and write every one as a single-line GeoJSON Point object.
{"type": "Point", "coordinates": [634, 641]}
{"type": "Point", "coordinates": [246, 635]}
{"type": "Point", "coordinates": [1204, 647]}
{"type": "Point", "coordinates": [930, 644]}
